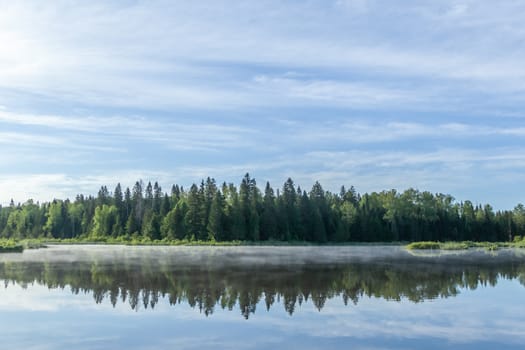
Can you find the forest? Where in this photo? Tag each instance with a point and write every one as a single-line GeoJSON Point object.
{"type": "Point", "coordinates": [212, 212]}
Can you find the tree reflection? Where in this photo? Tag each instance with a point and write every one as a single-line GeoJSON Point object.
{"type": "Point", "coordinates": [244, 287]}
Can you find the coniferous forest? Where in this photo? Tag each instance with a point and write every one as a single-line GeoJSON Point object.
{"type": "Point", "coordinates": [209, 211]}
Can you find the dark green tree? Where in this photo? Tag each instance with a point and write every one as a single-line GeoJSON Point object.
{"type": "Point", "coordinates": [268, 226]}
{"type": "Point", "coordinates": [216, 217]}
{"type": "Point", "coordinates": [194, 215]}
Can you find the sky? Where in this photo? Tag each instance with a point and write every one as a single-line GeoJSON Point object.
{"type": "Point", "coordinates": [374, 94]}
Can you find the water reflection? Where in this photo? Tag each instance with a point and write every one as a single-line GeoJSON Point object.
{"type": "Point", "coordinates": [231, 278]}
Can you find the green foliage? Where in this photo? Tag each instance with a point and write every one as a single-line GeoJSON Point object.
{"type": "Point", "coordinates": [151, 226]}
{"type": "Point", "coordinates": [195, 215]}
{"type": "Point", "coordinates": [518, 244]}
{"type": "Point", "coordinates": [424, 245]}
{"type": "Point", "coordinates": [32, 243]}
{"type": "Point", "coordinates": [105, 221]}
{"type": "Point", "coordinates": [10, 246]}
{"type": "Point", "coordinates": [216, 217]}
{"type": "Point", "coordinates": [54, 226]}
{"type": "Point", "coordinates": [455, 245]}
{"type": "Point", "coordinates": [268, 225]}
{"type": "Point", "coordinates": [492, 247]}
{"type": "Point", "coordinates": [208, 213]}
{"type": "Point", "coordinates": [489, 246]}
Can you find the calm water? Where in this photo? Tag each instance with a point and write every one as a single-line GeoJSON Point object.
{"type": "Point", "coordinates": [92, 297]}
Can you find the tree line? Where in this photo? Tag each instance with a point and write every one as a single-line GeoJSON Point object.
{"type": "Point", "coordinates": [208, 211]}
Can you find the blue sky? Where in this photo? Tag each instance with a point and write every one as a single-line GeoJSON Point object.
{"type": "Point", "coordinates": [375, 94]}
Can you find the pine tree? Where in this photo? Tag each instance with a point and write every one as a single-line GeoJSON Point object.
{"type": "Point", "coordinates": [173, 225]}
{"type": "Point", "coordinates": [249, 198]}
{"type": "Point", "coordinates": [289, 202]}
{"type": "Point", "coordinates": [151, 225]}
{"type": "Point", "coordinates": [321, 214]}
{"type": "Point", "coordinates": [118, 200]}
{"type": "Point", "coordinates": [157, 198]}
{"type": "Point", "coordinates": [165, 206]}
{"type": "Point", "coordinates": [216, 217]}
{"type": "Point", "coordinates": [138, 205]}
{"type": "Point", "coordinates": [193, 218]}
{"type": "Point", "coordinates": [128, 204]}
{"type": "Point", "coordinates": [175, 195]}
{"type": "Point", "coordinates": [269, 215]}
{"type": "Point", "coordinates": [306, 228]}
{"type": "Point", "coordinates": [148, 197]}
{"type": "Point", "coordinates": [236, 214]}
{"type": "Point", "coordinates": [132, 226]}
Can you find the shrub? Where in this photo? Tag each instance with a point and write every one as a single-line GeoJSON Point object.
{"type": "Point", "coordinates": [424, 245]}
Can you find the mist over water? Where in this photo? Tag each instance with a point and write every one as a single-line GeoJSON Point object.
{"type": "Point", "coordinates": [285, 286]}
{"type": "Point", "coordinates": [214, 256]}
{"type": "Point", "coordinates": [218, 256]}
{"type": "Point", "coordinates": [224, 277]}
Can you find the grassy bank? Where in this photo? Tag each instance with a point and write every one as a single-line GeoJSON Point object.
{"type": "Point", "coordinates": [427, 245]}
{"type": "Point", "coordinates": [190, 242]}
{"type": "Point", "coordinates": [134, 241]}
{"type": "Point", "coordinates": [10, 246]}
{"type": "Point", "coordinates": [137, 240]}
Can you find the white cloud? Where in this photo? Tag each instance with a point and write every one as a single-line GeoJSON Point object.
{"type": "Point", "coordinates": [447, 170]}
{"type": "Point", "coordinates": [350, 94]}
{"type": "Point", "coordinates": [45, 187]}
{"type": "Point", "coordinates": [29, 139]}
{"type": "Point", "coordinates": [179, 56]}
{"type": "Point", "coordinates": [103, 133]}
{"type": "Point", "coordinates": [361, 132]}
{"type": "Point", "coordinates": [222, 73]}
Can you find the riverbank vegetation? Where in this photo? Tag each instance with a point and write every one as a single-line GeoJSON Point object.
{"type": "Point", "coordinates": [208, 213]}
{"type": "Point", "coordinates": [430, 245]}
{"type": "Point", "coordinates": [17, 246]}
{"type": "Point", "coordinates": [10, 246]}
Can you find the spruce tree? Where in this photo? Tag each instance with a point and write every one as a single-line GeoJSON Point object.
{"type": "Point", "coordinates": [193, 217]}
{"type": "Point", "coordinates": [118, 200]}
{"type": "Point", "coordinates": [157, 198]}
{"type": "Point", "coordinates": [268, 225]}
{"type": "Point", "coordinates": [138, 204]}
{"type": "Point", "coordinates": [215, 219]}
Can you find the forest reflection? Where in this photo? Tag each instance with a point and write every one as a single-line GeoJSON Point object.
{"type": "Point", "coordinates": [208, 286]}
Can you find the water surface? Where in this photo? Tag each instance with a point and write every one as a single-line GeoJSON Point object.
{"type": "Point", "coordinates": [117, 297]}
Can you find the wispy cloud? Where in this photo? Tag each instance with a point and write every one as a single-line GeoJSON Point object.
{"type": "Point", "coordinates": [350, 94]}
{"type": "Point", "coordinates": [190, 135]}
{"type": "Point", "coordinates": [362, 132]}
{"type": "Point", "coordinates": [188, 63]}
{"type": "Point", "coordinates": [45, 187]}
{"type": "Point", "coordinates": [410, 92]}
